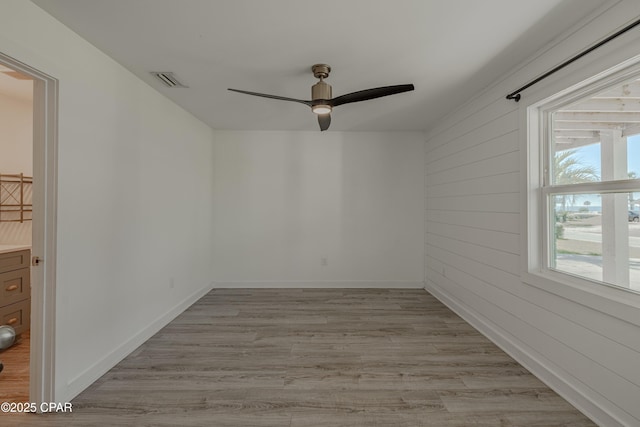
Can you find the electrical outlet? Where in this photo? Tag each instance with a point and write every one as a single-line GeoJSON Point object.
{"type": "Point", "coordinates": [171, 283]}
{"type": "Point", "coordinates": [324, 261]}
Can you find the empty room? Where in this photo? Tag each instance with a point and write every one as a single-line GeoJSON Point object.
{"type": "Point", "coordinates": [339, 213]}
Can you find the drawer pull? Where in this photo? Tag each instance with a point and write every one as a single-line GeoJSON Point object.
{"type": "Point", "coordinates": [12, 321]}
{"type": "Point", "coordinates": [12, 288]}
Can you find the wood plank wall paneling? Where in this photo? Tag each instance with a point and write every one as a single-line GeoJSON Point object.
{"type": "Point", "coordinates": [492, 221]}
{"type": "Point", "coordinates": [502, 183]}
{"type": "Point", "coordinates": [506, 242]}
{"type": "Point", "coordinates": [489, 141]}
{"type": "Point", "coordinates": [496, 165]}
{"type": "Point", "coordinates": [473, 244]}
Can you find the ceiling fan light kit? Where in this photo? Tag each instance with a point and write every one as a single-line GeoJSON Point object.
{"type": "Point", "coordinates": [322, 102]}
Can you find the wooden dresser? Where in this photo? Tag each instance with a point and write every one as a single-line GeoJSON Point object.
{"type": "Point", "coordinates": [15, 289]}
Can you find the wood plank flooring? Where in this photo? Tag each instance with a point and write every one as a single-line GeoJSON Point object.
{"type": "Point", "coordinates": [334, 357]}
{"type": "Point", "coordinates": [14, 378]}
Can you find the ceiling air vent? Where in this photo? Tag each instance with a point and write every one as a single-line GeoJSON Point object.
{"type": "Point", "coordinates": [168, 78]}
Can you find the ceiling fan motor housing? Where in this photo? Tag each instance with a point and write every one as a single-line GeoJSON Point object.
{"type": "Point", "coordinates": [321, 90]}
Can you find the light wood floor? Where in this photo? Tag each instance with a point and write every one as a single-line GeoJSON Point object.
{"type": "Point", "coordinates": [14, 378]}
{"type": "Point", "coordinates": [317, 358]}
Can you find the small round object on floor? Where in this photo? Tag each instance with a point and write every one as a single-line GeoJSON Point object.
{"type": "Point", "coordinates": [7, 336]}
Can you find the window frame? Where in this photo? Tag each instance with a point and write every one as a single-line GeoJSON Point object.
{"type": "Point", "coordinates": [536, 228]}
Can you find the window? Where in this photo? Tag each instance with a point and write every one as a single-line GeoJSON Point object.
{"type": "Point", "coordinates": [589, 191]}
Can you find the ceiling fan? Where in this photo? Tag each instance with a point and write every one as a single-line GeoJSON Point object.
{"type": "Point", "coordinates": [322, 103]}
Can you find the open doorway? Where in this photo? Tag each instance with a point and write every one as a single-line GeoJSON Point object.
{"type": "Point", "coordinates": [28, 194]}
{"type": "Point", "coordinates": [16, 209]}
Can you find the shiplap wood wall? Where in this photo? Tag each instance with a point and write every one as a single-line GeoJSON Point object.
{"type": "Point", "coordinates": [474, 229]}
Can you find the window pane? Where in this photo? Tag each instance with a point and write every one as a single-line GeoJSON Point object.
{"type": "Point", "coordinates": [597, 138]}
{"type": "Point", "coordinates": [596, 236]}
{"type": "Point", "coordinates": [576, 165]}
{"type": "Point", "coordinates": [633, 158]}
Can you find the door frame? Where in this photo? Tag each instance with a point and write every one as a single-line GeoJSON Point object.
{"type": "Point", "coordinates": [44, 227]}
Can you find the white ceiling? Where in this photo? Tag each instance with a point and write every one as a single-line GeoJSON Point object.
{"type": "Point", "coordinates": [449, 49]}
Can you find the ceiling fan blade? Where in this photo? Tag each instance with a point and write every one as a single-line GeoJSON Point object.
{"type": "Point", "coordinates": [264, 95]}
{"type": "Point", "coordinates": [367, 94]}
{"type": "Point", "coordinates": [324, 120]}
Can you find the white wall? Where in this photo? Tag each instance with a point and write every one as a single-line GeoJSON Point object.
{"type": "Point", "coordinates": [16, 129]}
{"type": "Point", "coordinates": [286, 200]}
{"type": "Point", "coordinates": [584, 346]}
{"type": "Point", "coordinates": [16, 156]}
{"type": "Point", "coordinates": [134, 201]}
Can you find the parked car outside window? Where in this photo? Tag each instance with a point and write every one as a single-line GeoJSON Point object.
{"type": "Point", "coordinates": [634, 216]}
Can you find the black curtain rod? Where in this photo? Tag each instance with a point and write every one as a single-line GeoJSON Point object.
{"type": "Point", "coordinates": [515, 95]}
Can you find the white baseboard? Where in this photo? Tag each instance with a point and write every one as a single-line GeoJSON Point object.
{"type": "Point", "coordinates": [361, 284]}
{"type": "Point", "coordinates": [76, 385]}
{"type": "Point", "coordinates": [557, 380]}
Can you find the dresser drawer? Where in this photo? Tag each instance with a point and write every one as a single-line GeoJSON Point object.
{"type": "Point", "coordinates": [10, 261]}
{"type": "Point", "coordinates": [14, 286]}
{"type": "Point", "coordinates": [16, 315]}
